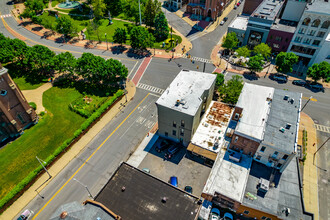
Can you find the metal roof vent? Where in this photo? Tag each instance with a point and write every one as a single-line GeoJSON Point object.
{"type": "Point", "coordinates": [291, 101]}
{"type": "Point", "coordinates": [177, 103]}
{"type": "Point", "coordinates": [288, 126]}
{"type": "Point", "coordinates": [63, 215]}
{"type": "Point", "coordinates": [286, 97]}
{"type": "Point", "coordinates": [282, 129]}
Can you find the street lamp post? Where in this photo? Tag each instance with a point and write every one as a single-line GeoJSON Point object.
{"type": "Point", "coordinates": [319, 149]}
{"type": "Point", "coordinates": [140, 13]}
{"type": "Point", "coordinates": [50, 176]}
{"type": "Point", "coordinates": [106, 40]}
{"type": "Point", "coordinates": [306, 103]}
{"type": "Point", "coordinates": [84, 186]}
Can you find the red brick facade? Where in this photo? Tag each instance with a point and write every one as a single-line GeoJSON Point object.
{"type": "Point", "coordinates": [207, 8]}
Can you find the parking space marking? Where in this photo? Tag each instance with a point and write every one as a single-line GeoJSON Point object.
{"type": "Point", "coordinates": [322, 128]}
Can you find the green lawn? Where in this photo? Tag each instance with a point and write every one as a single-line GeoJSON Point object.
{"type": "Point", "coordinates": [54, 3]}
{"type": "Point", "coordinates": [158, 45]}
{"type": "Point", "coordinates": [23, 85]}
{"type": "Point", "coordinates": [17, 159]}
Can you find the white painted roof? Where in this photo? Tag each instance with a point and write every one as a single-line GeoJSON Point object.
{"type": "Point", "coordinates": [188, 87]}
{"type": "Point", "coordinates": [239, 23]}
{"type": "Point", "coordinates": [227, 177]}
{"type": "Point", "coordinates": [253, 100]}
{"type": "Point", "coordinates": [212, 127]}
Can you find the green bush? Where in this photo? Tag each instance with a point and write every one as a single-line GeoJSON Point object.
{"type": "Point", "coordinates": [33, 105]}
{"type": "Point", "coordinates": [42, 113]}
{"type": "Point", "coordinates": [36, 19]}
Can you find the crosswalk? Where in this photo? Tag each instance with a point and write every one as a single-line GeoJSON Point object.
{"type": "Point", "coordinates": [198, 59]}
{"type": "Point", "coordinates": [150, 88]}
{"type": "Point", "coordinates": [5, 16]}
{"type": "Point", "coordinates": [322, 128]}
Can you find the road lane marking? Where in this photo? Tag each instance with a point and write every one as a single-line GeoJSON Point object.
{"type": "Point", "coordinates": [132, 69]}
{"type": "Point", "coordinates": [312, 99]}
{"type": "Point", "coordinates": [150, 88]}
{"type": "Point", "coordinates": [322, 128]}
{"type": "Point", "coordinates": [36, 215]}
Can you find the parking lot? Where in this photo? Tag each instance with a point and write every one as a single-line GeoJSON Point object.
{"type": "Point", "coordinates": [189, 172]}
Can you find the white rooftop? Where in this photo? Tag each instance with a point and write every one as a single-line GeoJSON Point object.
{"type": "Point", "coordinates": [227, 177]}
{"type": "Point", "coordinates": [212, 127]}
{"type": "Point", "coordinates": [256, 107]}
{"type": "Point", "coordinates": [328, 37]}
{"type": "Point", "coordinates": [239, 23]}
{"type": "Point", "coordinates": [187, 87]}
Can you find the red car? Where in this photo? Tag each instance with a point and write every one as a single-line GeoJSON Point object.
{"type": "Point", "coordinates": [238, 3]}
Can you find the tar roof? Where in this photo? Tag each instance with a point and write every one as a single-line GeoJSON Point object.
{"type": "Point", "coordinates": [142, 197]}
{"type": "Point", "coordinates": [212, 127]}
{"type": "Point", "coordinates": [228, 177]}
{"type": "Point", "coordinates": [284, 26]}
{"type": "Point", "coordinates": [255, 104]}
{"type": "Point", "coordinates": [318, 6]}
{"type": "Point", "coordinates": [268, 9]}
{"type": "Point", "coordinates": [286, 194]}
{"type": "Point", "coordinates": [188, 87]}
{"type": "Point", "coordinates": [239, 23]}
{"type": "Point", "coordinates": [282, 113]}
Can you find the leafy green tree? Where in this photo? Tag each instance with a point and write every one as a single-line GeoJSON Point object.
{"type": "Point", "coordinates": [99, 8]}
{"type": "Point", "coordinates": [243, 51]}
{"type": "Point", "coordinates": [6, 51]}
{"type": "Point", "coordinates": [141, 38]}
{"type": "Point", "coordinates": [114, 6]}
{"type": "Point", "coordinates": [64, 63]}
{"type": "Point", "coordinates": [284, 62]}
{"type": "Point", "coordinates": [230, 91]}
{"type": "Point", "coordinates": [35, 6]}
{"type": "Point", "coordinates": [219, 80]}
{"type": "Point", "coordinates": [230, 41]}
{"type": "Point", "coordinates": [64, 26]}
{"type": "Point", "coordinates": [115, 72]}
{"type": "Point", "coordinates": [91, 67]}
{"type": "Point", "coordinates": [12, 50]}
{"type": "Point", "coordinates": [2, 37]}
{"type": "Point", "coordinates": [120, 36]}
{"type": "Point", "coordinates": [319, 71]}
{"type": "Point", "coordinates": [255, 63]}
{"type": "Point", "coordinates": [263, 49]}
{"type": "Point", "coordinates": [161, 27]}
{"type": "Point", "coordinates": [131, 10]}
{"type": "Point", "coordinates": [152, 8]}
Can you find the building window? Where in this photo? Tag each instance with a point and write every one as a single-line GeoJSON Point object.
{"type": "Point", "coordinates": [276, 45]}
{"type": "Point", "coordinates": [328, 57]}
{"type": "Point", "coordinates": [302, 31]}
{"type": "Point", "coordinates": [285, 157]}
{"type": "Point", "coordinates": [263, 148]}
{"type": "Point", "coordinates": [268, 219]}
{"type": "Point", "coordinates": [326, 24]}
{"type": "Point", "coordinates": [236, 139]}
{"type": "Point", "coordinates": [246, 212]}
{"type": "Point", "coordinates": [236, 116]}
{"type": "Point", "coordinates": [316, 42]}
{"type": "Point", "coordinates": [311, 33]}
{"type": "Point", "coordinates": [3, 92]}
{"type": "Point", "coordinates": [279, 165]}
{"type": "Point", "coordinates": [271, 37]}
{"type": "Point", "coordinates": [19, 116]}
{"type": "Point", "coordinates": [320, 34]}
{"type": "Point", "coordinates": [298, 39]}
{"type": "Point", "coordinates": [307, 41]}
{"type": "Point", "coordinates": [182, 123]}
{"type": "Point", "coordinates": [174, 132]}
{"type": "Point", "coordinates": [316, 23]}
{"type": "Point", "coordinates": [304, 50]}
{"type": "Point", "coordinates": [174, 124]}
{"type": "Point", "coordinates": [258, 157]}
{"type": "Point", "coordinates": [286, 39]}
{"type": "Point", "coordinates": [306, 21]}
{"type": "Point", "coordinates": [278, 38]}
{"type": "Point", "coordinates": [182, 132]}
{"type": "Point", "coordinates": [166, 134]}
{"type": "Point", "coordinates": [263, 217]}
{"type": "Point", "coordinates": [275, 154]}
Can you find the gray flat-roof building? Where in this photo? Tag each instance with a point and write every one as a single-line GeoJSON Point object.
{"type": "Point", "coordinates": [182, 104]}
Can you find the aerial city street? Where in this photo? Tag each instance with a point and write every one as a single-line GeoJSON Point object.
{"type": "Point", "coordinates": [165, 109]}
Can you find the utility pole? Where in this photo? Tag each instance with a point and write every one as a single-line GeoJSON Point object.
{"type": "Point", "coordinates": [306, 103]}
{"type": "Point", "coordinates": [106, 40]}
{"type": "Point", "coordinates": [319, 149]}
{"type": "Point", "coordinates": [171, 36]}
{"type": "Point", "coordinates": [50, 176]}
{"type": "Point", "coordinates": [204, 67]}
{"type": "Point", "coordinates": [84, 186]}
{"type": "Point", "coordinates": [140, 13]}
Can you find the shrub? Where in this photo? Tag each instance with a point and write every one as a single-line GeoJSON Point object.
{"type": "Point", "coordinates": [42, 113]}
{"type": "Point", "coordinates": [36, 19]}
{"type": "Point", "coordinates": [33, 105]}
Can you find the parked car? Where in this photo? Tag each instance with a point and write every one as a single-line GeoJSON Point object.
{"type": "Point", "coordinates": [235, 7]}
{"type": "Point", "coordinates": [228, 216]}
{"type": "Point", "coordinates": [279, 77]}
{"type": "Point", "coordinates": [172, 150]}
{"type": "Point", "coordinates": [222, 22]}
{"type": "Point", "coordinates": [188, 189]}
{"type": "Point", "coordinates": [225, 19]}
{"type": "Point", "coordinates": [238, 3]}
{"type": "Point", "coordinates": [25, 215]}
{"type": "Point", "coordinates": [163, 145]}
{"type": "Point", "coordinates": [174, 181]}
{"type": "Point", "coordinates": [146, 170]}
{"type": "Point", "coordinates": [316, 86]}
{"type": "Point", "coordinates": [215, 214]}
{"type": "Point", "coordinates": [299, 82]}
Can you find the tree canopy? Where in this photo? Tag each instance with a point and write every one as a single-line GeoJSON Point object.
{"type": "Point", "coordinates": [263, 49]}
{"type": "Point", "coordinates": [243, 51]}
{"type": "Point", "coordinates": [219, 80]}
{"type": "Point", "coordinates": [161, 27]}
{"type": "Point", "coordinates": [230, 41]}
{"type": "Point", "coordinates": [284, 61]}
{"type": "Point", "coordinates": [230, 91]}
{"type": "Point", "coordinates": [255, 63]}
{"type": "Point", "coordinates": [64, 26]}
{"type": "Point", "coordinates": [120, 36]}
{"type": "Point", "coordinates": [319, 71]}
{"type": "Point", "coordinates": [99, 8]}
{"type": "Point", "coordinates": [64, 63]}
{"type": "Point", "coordinates": [141, 38]}
{"type": "Point", "coordinates": [152, 8]}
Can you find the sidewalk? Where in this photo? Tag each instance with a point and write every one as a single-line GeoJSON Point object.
{"type": "Point", "coordinates": [310, 186]}
{"type": "Point", "coordinates": [35, 95]}
{"type": "Point", "coordinates": [30, 194]}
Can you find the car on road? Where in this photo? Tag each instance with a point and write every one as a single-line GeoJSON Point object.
{"type": "Point", "coordinates": [25, 215]}
{"type": "Point", "coordinates": [174, 181]}
{"type": "Point", "coordinates": [215, 214]}
{"type": "Point", "coordinates": [225, 19]}
{"type": "Point", "coordinates": [163, 145]}
{"type": "Point", "coordinates": [299, 82]}
{"type": "Point", "coordinates": [279, 77]}
{"type": "Point", "coordinates": [188, 189]}
{"type": "Point", "coordinates": [238, 4]}
{"type": "Point", "coordinates": [172, 150]}
{"type": "Point", "coordinates": [235, 7]}
{"type": "Point", "coordinates": [316, 86]}
{"type": "Point", "coordinates": [222, 22]}
{"type": "Point", "coordinates": [228, 216]}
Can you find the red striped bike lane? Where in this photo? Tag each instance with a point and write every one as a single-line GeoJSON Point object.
{"type": "Point", "coordinates": [142, 68]}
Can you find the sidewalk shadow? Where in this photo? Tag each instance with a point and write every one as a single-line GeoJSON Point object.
{"type": "Point", "coordinates": [138, 54]}
{"type": "Point", "coordinates": [118, 49]}
{"type": "Point", "coordinates": [250, 76]}
{"type": "Point", "coordinates": [47, 34]}
{"type": "Point", "coordinates": [25, 23]}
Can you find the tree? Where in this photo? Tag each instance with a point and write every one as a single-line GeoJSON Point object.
{"type": "Point", "coordinates": [12, 50]}
{"type": "Point", "coordinates": [115, 72]}
{"type": "Point", "coordinates": [64, 26]}
{"type": "Point", "coordinates": [255, 63]}
{"type": "Point", "coordinates": [132, 10]}
{"type": "Point", "coordinates": [263, 49]}
{"type": "Point", "coordinates": [319, 71]}
{"type": "Point", "coordinates": [141, 38]}
{"type": "Point", "coordinates": [230, 91]}
{"type": "Point", "coordinates": [219, 80]}
{"type": "Point", "coordinates": [64, 63]}
{"type": "Point", "coordinates": [114, 6]}
{"type": "Point", "coordinates": [35, 6]}
{"type": "Point", "coordinates": [91, 67]}
{"type": "Point", "coordinates": [243, 51]}
{"type": "Point", "coordinates": [284, 62]}
{"type": "Point", "coordinates": [161, 27]}
{"type": "Point", "coordinates": [152, 8]}
{"type": "Point", "coordinates": [120, 36]}
{"type": "Point", "coordinates": [230, 41]}
{"type": "Point", "coordinates": [99, 8]}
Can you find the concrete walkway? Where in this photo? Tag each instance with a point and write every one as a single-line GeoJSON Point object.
{"type": "Point", "coordinates": [35, 95]}
{"type": "Point", "coordinates": [21, 202]}
{"type": "Point", "coordinates": [310, 186]}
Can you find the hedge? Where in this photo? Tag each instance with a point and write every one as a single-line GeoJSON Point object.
{"type": "Point", "coordinates": [33, 174]}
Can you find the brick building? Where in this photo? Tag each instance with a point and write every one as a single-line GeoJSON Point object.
{"type": "Point", "coordinates": [15, 112]}
{"type": "Point", "coordinates": [207, 8]}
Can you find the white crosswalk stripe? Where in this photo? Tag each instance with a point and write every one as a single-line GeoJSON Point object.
{"type": "Point", "coordinates": [5, 16]}
{"type": "Point", "coordinates": [322, 128]}
{"type": "Point", "coordinates": [150, 88]}
{"type": "Point", "coordinates": [198, 59]}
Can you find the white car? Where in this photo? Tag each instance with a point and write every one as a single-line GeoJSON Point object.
{"type": "Point", "coordinates": [222, 22]}
{"type": "Point", "coordinates": [215, 214]}
{"type": "Point", "coordinates": [25, 215]}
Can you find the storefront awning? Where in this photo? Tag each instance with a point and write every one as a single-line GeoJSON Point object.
{"type": "Point", "coordinates": [202, 152]}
